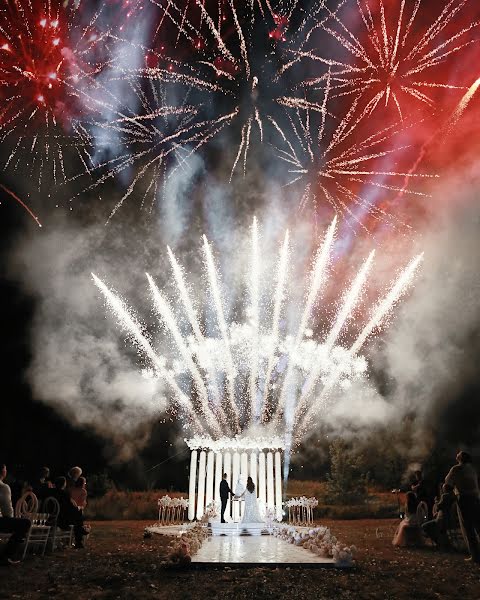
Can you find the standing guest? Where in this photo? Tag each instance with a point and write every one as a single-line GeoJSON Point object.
{"type": "Point", "coordinates": [422, 491]}
{"type": "Point", "coordinates": [224, 491]}
{"type": "Point", "coordinates": [19, 528]}
{"type": "Point", "coordinates": [463, 478]}
{"type": "Point", "coordinates": [79, 493]}
{"type": "Point", "coordinates": [69, 513]}
{"type": "Point", "coordinates": [42, 486]}
{"type": "Point", "coordinates": [73, 475]}
{"type": "Point", "coordinates": [408, 532]}
{"type": "Point", "coordinates": [437, 528]}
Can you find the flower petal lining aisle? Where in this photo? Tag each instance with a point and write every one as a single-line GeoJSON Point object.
{"type": "Point", "coordinates": [318, 540]}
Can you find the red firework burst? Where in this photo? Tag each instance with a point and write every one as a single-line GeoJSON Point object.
{"type": "Point", "coordinates": [45, 57]}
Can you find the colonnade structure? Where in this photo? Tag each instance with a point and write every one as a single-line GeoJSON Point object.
{"type": "Point", "coordinates": [259, 458]}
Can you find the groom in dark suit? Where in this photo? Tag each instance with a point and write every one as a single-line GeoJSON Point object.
{"type": "Point", "coordinates": [224, 491]}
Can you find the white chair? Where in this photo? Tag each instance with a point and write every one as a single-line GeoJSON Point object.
{"type": "Point", "coordinates": [26, 505]}
{"type": "Point", "coordinates": [26, 508]}
{"type": "Point", "coordinates": [58, 537]}
{"type": "Point", "coordinates": [38, 535]}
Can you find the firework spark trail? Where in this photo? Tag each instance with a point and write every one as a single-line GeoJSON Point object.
{"type": "Point", "coordinates": [248, 352]}
{"type": "Point", "coordinates": [27, 208]}
{"type": "Point", "coordinates": [166, 314]}
{"type": "Point", "coordinates": [318, 278]}
{"type": "Point", "coordinates": [254, 319]}
{"type": "Point", "coordinates": [204, 357]}
{"type": "Point", "coordinates": [278, 302]}
{"type": "Point", "coordinates": [309, 31]}
{"type": "Point", "coordinates": [243, 46]}
{"type": "Point", "coordinates": [129, 323]}
{"type": "Point", "coordinates": [217, 299]}
{"type": "Point", "coordinates": [443, 132]}
{"type": "Point", "coordinates": [383, 309]}
{"type": "Point", "coordinates": [344, 315]}
{"type": "Point", "coordinates": [462, 105]}
{"type": "Point", "coordinates": [402, 284]}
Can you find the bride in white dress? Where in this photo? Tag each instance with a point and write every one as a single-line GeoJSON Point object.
{"type": "Point", "coordinates": [251, 514]}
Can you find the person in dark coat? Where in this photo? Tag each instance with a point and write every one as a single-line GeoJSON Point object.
{"type": "Point", "coordinates": [224, 491]}
{"type": "Point", "coordinates": [69, 513]}
{"type": "Point", "coordinates": [437, 528]}
{"type": "Point", "coordinates": [42, 486]}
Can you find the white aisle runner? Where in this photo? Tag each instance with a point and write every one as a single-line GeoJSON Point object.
{"type": "Point", "coordinates": [264, 549]}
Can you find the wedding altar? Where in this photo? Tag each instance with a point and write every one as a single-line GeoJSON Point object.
{"type": "Point", "coordinates": [258, 458]}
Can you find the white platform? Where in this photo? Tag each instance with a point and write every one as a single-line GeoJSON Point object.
{"type": "Point", "coordinates": [249, 550]}
{"type": "Point", "coordinates": [235, 529]}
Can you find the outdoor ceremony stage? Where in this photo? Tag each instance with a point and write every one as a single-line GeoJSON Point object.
{"type": "Point", "coordinates": [238, 458]}
{"type": "Point", "coordinates": [237, 543]}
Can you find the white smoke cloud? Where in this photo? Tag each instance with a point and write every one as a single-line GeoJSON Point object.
{"type": "Point", "coordinates": [80, 363]}
{"type": "Point", "coordinates": [431, 350]}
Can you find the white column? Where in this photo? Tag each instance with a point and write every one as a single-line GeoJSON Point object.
{"type": "Point", "coordinates": [244, 466]}
{"type": "Point", "coordinates": [270, 489]}
{"type": "Point", "coordinates": [244, 473]}
{"type": "Point", "coordinates": [235, 474]}
{"type": "Point", "coordinates": [278, 485]}
{"type": "Point", "coordinates": [191, 486]}
{"type": "Point", "coordinates": [226, 469]}
{"type": "Point", "coordinates": [253, 470]}
{"type": "Point", "coordinates": [201, 485]}
{"type": "Point", "coordinates": [218, 477]}
{"type": "Point", "coordinates": [262, 479]}
{"type": "Point", "coordinates": [209, 487]}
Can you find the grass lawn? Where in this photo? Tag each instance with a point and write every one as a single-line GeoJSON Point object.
{"type": "Point", "coordinates": [119, 563]}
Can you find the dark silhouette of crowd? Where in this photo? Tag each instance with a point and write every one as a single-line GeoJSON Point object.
{"type": "Point", "coordinates": [456, 505]}
{"type": "Point", "coordinates": [70, 493]}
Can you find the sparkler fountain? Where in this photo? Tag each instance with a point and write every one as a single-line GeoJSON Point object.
{"type": "Point", "coordinates": [252, 385]}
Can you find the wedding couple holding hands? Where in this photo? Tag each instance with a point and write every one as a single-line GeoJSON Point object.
{"type": "Point", "coordinates": [252, 513]}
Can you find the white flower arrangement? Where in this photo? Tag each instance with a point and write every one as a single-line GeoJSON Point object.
{"type": "Point", "coordinates": [166, 501]}
{"type": "Point", "coordinates": [302, 501]}
{"type": "Point", "coordinates": [171, 510]}
{"type": "Point", "coordinates": [211, 510]}
{"type": "Point", "coordinates": [300, 510]}
{"type": "Point", "coordinates": [318, 540]}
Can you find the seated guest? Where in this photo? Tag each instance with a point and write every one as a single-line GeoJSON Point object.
{"type": "Point", "coordinates": [436, 529]}
{"type": "Point", "coordinates": [42, 486]}
{"type": "Point", "coordinates": [69, 513]}
{"type": "Point", "coordinates": [409, 532]}
{"type": "Point", "coordinates": [79, 493]}
{"type": "Point", "coordinates": [19, 528]}
{"type": "Point", "coordinates": [72, 477]}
